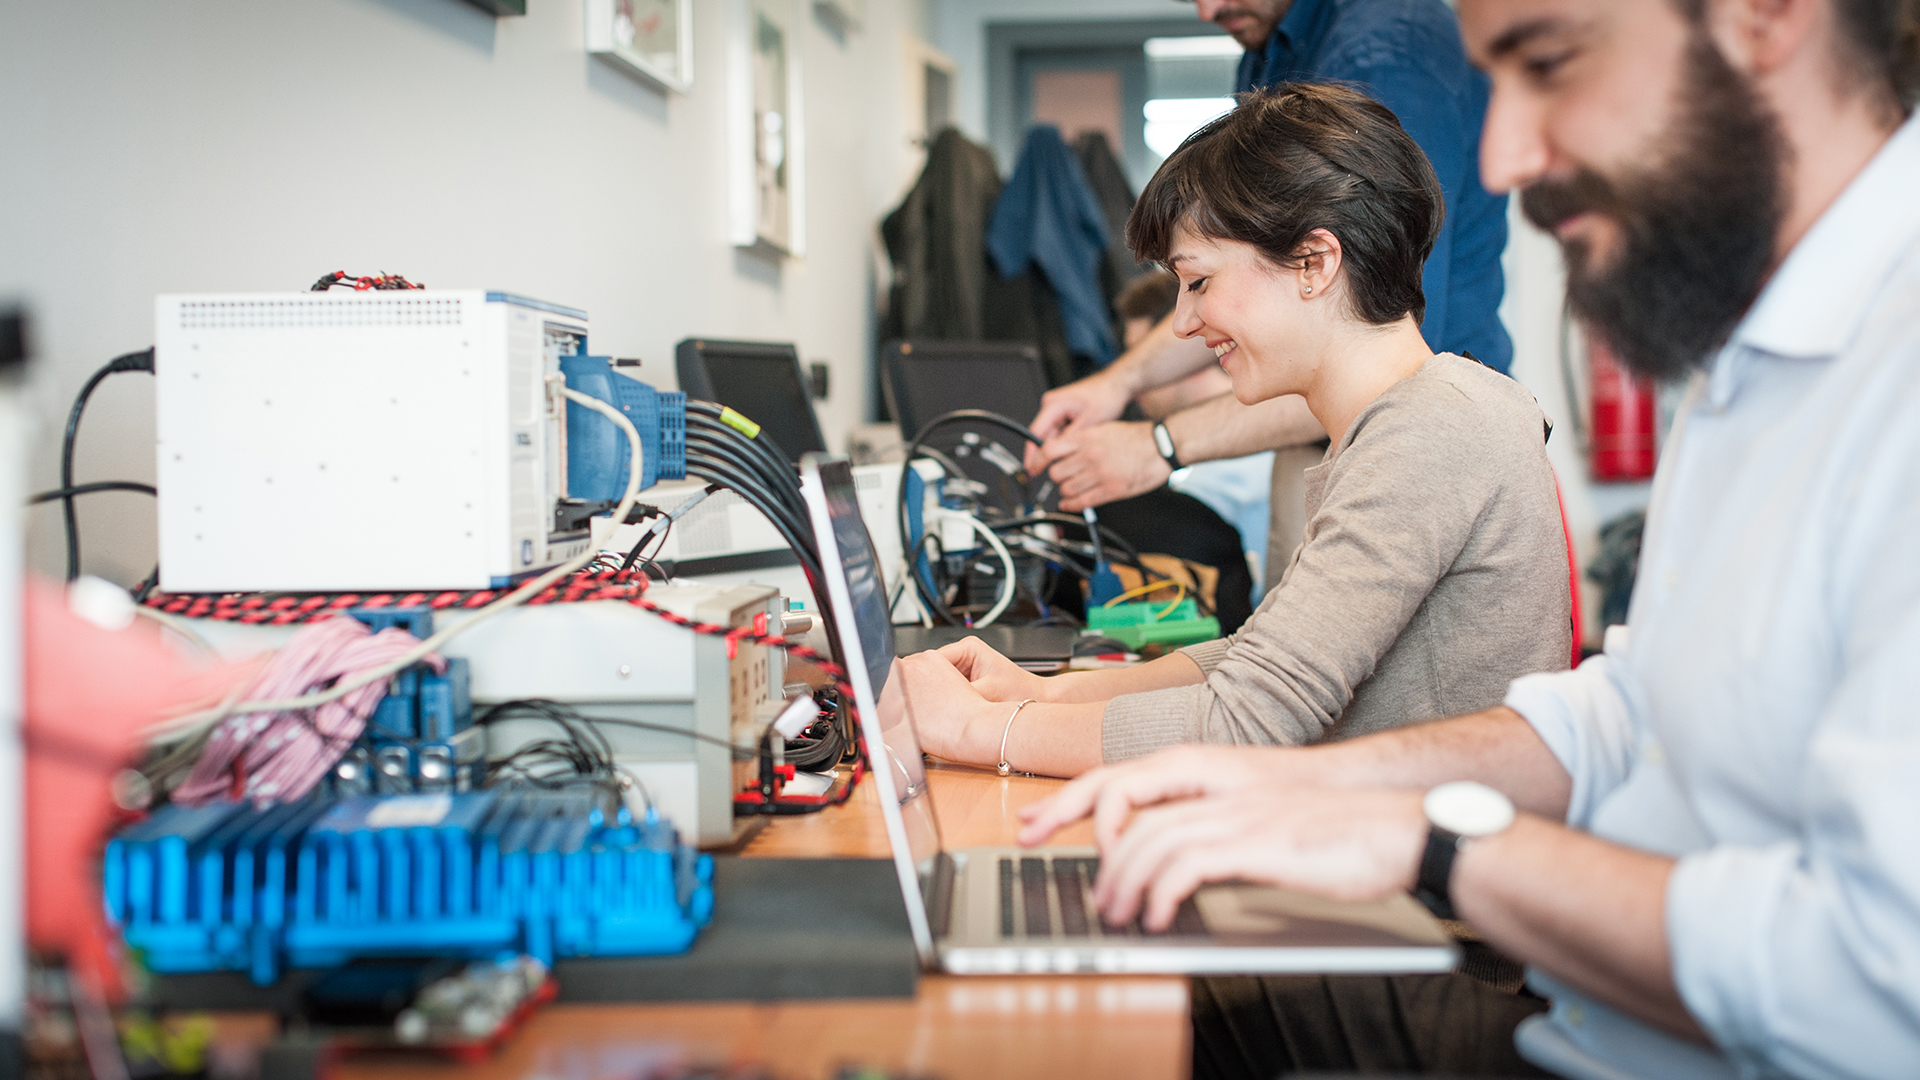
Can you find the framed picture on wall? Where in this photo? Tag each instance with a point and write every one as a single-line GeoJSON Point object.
{"type": "Point", "coordinates": [767, 137]}
{"type": "Point", "coordinates": [649, 38]}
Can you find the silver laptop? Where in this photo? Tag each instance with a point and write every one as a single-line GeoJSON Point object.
{"type": "Point", "coordinates": [1010, 910]}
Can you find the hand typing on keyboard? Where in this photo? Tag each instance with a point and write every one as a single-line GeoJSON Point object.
{"type": "Point", "coordinates": [1026, 909]}
{"type": "Point", "coordinates": [1163, 832]}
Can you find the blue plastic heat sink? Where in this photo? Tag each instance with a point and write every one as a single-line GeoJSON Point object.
{"type": "Point", "coordinates": [228, 887]}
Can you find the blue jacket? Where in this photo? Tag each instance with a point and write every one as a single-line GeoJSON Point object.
{"type": "Point", "coordinates": [1048, 217]}
{"type": "Point", "coordinates": [1407, 54]}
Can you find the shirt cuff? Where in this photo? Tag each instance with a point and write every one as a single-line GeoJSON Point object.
{"type": "Point", "coordinates": [1720, 905]}
{"type": "Point", "coordinates": [1208, 654]}
{"type": "Point", "coordinates": [1135, 725]}
{"type": "Point", "coordinates": [1585, 722]}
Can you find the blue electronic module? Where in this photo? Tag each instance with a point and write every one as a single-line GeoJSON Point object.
{"type": "Point", "coordinates": [232, 887]}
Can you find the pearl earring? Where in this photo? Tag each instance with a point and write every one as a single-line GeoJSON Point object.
{"type": "Point", "coordinates": [1309, 290]}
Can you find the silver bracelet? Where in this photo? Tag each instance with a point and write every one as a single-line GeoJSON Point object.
{"type": "Point", "coordinates": [1004, 768]}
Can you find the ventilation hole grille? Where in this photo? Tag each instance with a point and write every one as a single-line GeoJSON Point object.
{"type": "Point", "coordinates": [317, 311]}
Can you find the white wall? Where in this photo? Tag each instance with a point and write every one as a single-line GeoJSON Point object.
{"type": "Point", "coordinates": [229, 145]}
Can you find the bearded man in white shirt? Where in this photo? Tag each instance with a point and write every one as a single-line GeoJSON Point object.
{"type": "Point", "coordinates": [1714, 870]}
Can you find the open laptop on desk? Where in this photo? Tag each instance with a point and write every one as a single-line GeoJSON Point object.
{"type": "Point", "coordinates": [1007, 910]}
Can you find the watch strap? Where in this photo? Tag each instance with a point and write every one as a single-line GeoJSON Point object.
{"type": "Point", "coordinates": [1436, 871]}
{"type": "Point", "coordinates": [1163, 442]}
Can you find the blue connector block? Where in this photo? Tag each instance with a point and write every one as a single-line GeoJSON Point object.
{"type": "Point", "coordinates": [227, 887]}
{"type": "Point", "coordinates": [446, 709]}
{"type": "Point", "coordinates": [597, 456]}
{"type": "Point", "coordinates": [1104, 585]}
{"type": "Point", "coordinates": [417, 621]}
{"type": "Point", "coordinates": [398, 714]}
{"type": "Point", "coordinates": [420, 703]}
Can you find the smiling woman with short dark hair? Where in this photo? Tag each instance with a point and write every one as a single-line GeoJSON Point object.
{"type": "Point", "coordinates": [1434, 568]}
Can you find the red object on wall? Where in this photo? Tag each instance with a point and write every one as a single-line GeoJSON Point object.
{"type": "Point", "coordinates": [1623, 443]}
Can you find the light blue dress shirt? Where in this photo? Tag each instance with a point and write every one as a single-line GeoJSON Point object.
{"type": "Point", "coordinates": [1759, 717]}
{"type": "Point", "coordinates": [1239, 490]}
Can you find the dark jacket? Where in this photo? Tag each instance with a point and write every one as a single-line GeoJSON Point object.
{"type": "Point", "coordinates": [937, 242]}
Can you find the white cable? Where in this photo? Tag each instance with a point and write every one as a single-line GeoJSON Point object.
{"type": "Point", "coordinates": [1006, 560]}
{"type": "Point", "coordinates": [900, 588]}
{"type": "Point", "coordinates": [189, 724]}
{"type": "Point", "coordinates": [177, 625]}
{"type": "Point", "coordinates": [667, 520]}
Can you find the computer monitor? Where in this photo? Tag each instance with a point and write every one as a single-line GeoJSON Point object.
{"type": "Point", "coordinates": [926, 379]}
{"type": "Point", "coordinates": [761, 380]}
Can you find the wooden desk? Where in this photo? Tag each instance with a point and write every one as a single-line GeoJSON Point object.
{"type": "Point", "coordinates": [1050, 1027]}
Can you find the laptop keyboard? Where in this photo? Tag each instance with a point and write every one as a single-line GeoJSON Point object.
{"type": "Point", "coordinates": [1033, 889]}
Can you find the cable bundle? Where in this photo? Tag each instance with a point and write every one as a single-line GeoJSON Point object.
{"type": "Point", "coordinates": [729, 449]}
{"type": "Point", "coordinates": [280, 756]}
{"type": "Point", "coordinates": [1022, 524]}
{"type": "Point", "coordinates": [382, 281]}
{"type": "Point", "coordinates": [584, 756]}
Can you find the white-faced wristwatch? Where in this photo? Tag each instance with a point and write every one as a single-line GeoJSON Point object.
{"type": "Point", "coordinates": [1163, 442]}
{"type": "Point", "coordinates": [1458, 814]}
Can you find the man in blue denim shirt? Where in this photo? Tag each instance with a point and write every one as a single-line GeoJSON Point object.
{"type": "Point", "coordinates": [1408, 55]}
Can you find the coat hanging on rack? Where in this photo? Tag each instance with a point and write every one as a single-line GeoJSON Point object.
{"type": "Point", "coordinates": [1109, 183]}
{"type": "Point", "coordinates": [936, 240]}
{"type": "Point", "coordinates": [1049, 219]}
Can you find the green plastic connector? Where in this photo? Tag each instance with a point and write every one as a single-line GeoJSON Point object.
{"type": "Point", "coordinates": [1144, 622]}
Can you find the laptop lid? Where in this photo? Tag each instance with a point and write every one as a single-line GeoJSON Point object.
{"type": "Point", "coordinates": [761, 380]}
{"type": "Point", "coordinates": [857, 592]}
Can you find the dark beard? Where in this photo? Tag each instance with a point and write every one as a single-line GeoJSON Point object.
{"type": "Point", "coordinates": [1697, 231]}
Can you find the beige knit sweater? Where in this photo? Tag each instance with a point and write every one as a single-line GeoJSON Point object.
{"type": "Point", "coordinates": [1433, 573]}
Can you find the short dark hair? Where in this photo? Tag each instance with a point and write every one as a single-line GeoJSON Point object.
{"type": "Point", "coordinates": [1295, 158]}
{"type": "Point", "coordinates": [1152, 294]}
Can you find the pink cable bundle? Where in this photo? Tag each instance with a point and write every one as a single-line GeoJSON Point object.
{"type": "Point", "coordinates": [282, 755]}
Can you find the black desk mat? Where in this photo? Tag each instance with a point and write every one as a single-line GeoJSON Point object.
{"type": "Point", "coordinates": [782, 929]}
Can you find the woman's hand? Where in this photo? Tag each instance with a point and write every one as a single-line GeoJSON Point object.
{"type": "Point", "coordinates": [993, 676]}
{"type": "Point", "coordinates": [1339, 842]}
{"type": "Point", "coordinates": [951, 718]}
{"type": "Point", "coordinates": [1112, 793]}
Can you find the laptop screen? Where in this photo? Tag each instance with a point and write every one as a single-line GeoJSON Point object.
{"type": "Point", "coordinates": [929, 379]}
{"type": "Point", "coordinates": [874, 629]}
{"type": "Point", "coordinates": [761, 381]}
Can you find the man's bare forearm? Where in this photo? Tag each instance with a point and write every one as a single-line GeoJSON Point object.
{"type": "Point", "coordinates": [1590, 913]}
{"type": "Point", "coordinates": [1224, 428]}
{"type": "Point", "coordinates": [1497, 747]}
{"type": "Point", "coordinates": [1158, 359]}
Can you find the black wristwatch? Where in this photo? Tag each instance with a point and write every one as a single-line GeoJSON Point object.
{"type": "Point", "coordinates": [1458, 814]}
{"type": "Point", "coordinates": [1163, 442]}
